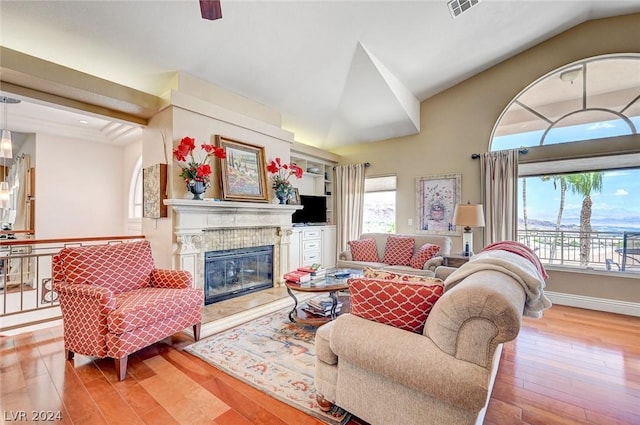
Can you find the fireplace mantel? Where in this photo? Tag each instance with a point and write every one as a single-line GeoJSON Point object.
{"type": "Point", "coordinates": [210, 214]}
{"type": "Point", "coordinates": [208, 225]}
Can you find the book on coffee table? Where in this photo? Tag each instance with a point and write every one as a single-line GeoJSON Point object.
{"type": "Point", "coordinates": [315, 272]}
{"type": "Point", "coordinates": [322, 303]}
{"type": "Point", "coordinates": [323, 311]}
{"type": "Point", "coordinates": [297, 276]}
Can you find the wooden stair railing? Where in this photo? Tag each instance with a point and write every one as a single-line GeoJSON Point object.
{"type": "Point", "coordinates": [20, 242]}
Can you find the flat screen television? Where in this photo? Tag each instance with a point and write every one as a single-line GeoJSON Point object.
{"type": "Point", "coordinates": [314, 210]}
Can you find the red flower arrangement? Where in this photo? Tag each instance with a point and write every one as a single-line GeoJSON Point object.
{"type": "Point", "coordinates": [196, 170]}
{"type": "Point", "coordinates": [282, 172]}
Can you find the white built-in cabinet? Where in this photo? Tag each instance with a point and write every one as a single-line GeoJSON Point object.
{"type": "Point", "coordinates": [313, 244]}
{"type": "Point", "coordinates": [329, 252]}
{"type": "Point", "coordinates": [317, 179]}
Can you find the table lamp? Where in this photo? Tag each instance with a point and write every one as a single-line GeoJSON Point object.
{"type": "Point", "coordinates": [468, 215]}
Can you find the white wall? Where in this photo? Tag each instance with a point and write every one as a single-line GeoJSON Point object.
{"type": "Point", "coordinates": [131, 154]}
{"type": "Point", "coordinates": [28, 147]}
{"type": "Point", "coordinates": [79, 188]}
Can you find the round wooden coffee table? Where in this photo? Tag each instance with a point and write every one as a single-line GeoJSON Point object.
{"type": "Point", "coordinates": [329, 285]}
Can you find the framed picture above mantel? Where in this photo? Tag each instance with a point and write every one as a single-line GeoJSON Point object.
{"type": "Point", "coordinates": [436, 199]}
{"type": "Point", "coordinates": [243, 172]}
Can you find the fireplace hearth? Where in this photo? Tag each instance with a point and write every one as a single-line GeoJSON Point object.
{"type": "Point", "coordinates": [230, 273]}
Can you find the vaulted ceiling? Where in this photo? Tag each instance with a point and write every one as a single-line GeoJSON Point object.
{"type": "Point", "coordinates": [339, 71]}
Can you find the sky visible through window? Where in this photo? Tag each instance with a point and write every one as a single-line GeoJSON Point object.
{"type": "Point", "coordinates": [616, 207]}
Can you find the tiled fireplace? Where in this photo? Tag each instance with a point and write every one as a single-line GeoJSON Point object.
{"type": "Point", "coordinates": [202, 227]}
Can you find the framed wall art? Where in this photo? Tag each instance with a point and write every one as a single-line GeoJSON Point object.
{"type": "Point", "coordinates": [295, 198]}
{"type": "Point", "coordinates": [243, 172]}
{"type": "Point", "coordinates": [154, 191]}
{"type": "Point", "coordinates": [436, 199]}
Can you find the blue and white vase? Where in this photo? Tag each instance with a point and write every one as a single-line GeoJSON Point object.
{"type": "Point", "coordinates": [283, 192]}
{"type": "Point", "coordinates": [197, 188]}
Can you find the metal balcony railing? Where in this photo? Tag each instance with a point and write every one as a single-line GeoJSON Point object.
{"type": "Point", "coordinates": [616, 251]}
{"type": "Point", "coordinates": [26, 291]}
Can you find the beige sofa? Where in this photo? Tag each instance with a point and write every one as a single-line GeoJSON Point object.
{"type": "Point", "coordinates": [345, 260]}
{"type": "Point", "coordinates": [386, 375]}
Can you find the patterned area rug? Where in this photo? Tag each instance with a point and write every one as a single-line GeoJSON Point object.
{"type": "Point", "coordinates": [273, 355]}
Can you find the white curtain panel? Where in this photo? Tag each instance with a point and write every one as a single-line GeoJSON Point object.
{"type": "Point", "coordinates": [349, 198]}
{"type": "Point", "coordinates": [19, 189]}
{"type": "Point", "coordinates": [499, 174]}
{"type": "Point", "coordinates": [21, 270]}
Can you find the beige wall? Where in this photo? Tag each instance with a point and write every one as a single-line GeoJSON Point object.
{"type": "Point", "coordinates": [458, 122]}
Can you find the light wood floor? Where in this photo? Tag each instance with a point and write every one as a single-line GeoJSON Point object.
{"type": "Point", "coordinates": [573, 366]}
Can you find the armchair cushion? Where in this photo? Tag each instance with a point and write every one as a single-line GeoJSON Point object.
{"type": "Point", "coordinates": [147, 306]}
{"type": "Point", "coordinates": [119, 268]}
{"type": "Point", "coordinates": [403, 305]}
{"type": "Point", "coordinates": [398, 250]}
{"type": "Point", "coordinates": [364, 250]}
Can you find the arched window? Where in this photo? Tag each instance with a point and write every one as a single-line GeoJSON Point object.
{"type": "Point", "coordinates": [579, 192]}
{"type": "Point", "coordinates": [586, 100]}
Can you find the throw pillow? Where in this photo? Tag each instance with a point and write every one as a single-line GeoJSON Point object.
{"type": "Point", "coordinates": [399, 304]}
{"type": "Point", "coordinates": [364, 250]}
{"type": "Point", "coordinates": [398, 250]}
{"type": "Point", "coordinates": [398, 277]}
{"type": "Point", "coordinates": [424, 254]}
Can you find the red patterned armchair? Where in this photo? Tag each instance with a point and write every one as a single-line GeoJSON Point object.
{"type": "Point", "coordinates": [115, 302]}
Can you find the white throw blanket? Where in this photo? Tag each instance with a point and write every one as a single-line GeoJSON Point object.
{"type": "Point", "coordinates": [519, 268]}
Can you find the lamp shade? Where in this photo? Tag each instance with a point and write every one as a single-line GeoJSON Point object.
{"type": "Point", "coordinates": [5, 145]}
{"type": "Point", "coordinates": [468, 215]}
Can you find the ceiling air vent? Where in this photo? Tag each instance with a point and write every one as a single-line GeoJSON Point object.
{"type": "Point", "coordinates": [457, 7]}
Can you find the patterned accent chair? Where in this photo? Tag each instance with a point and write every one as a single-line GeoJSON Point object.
{"type": "Point", "coordinates": [115, 302]}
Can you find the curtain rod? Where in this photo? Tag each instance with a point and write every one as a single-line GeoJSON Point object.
{"type": "Point", "coordinates": [366, 165]}
{"type": "Point", "coordinates": [522, 151]}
